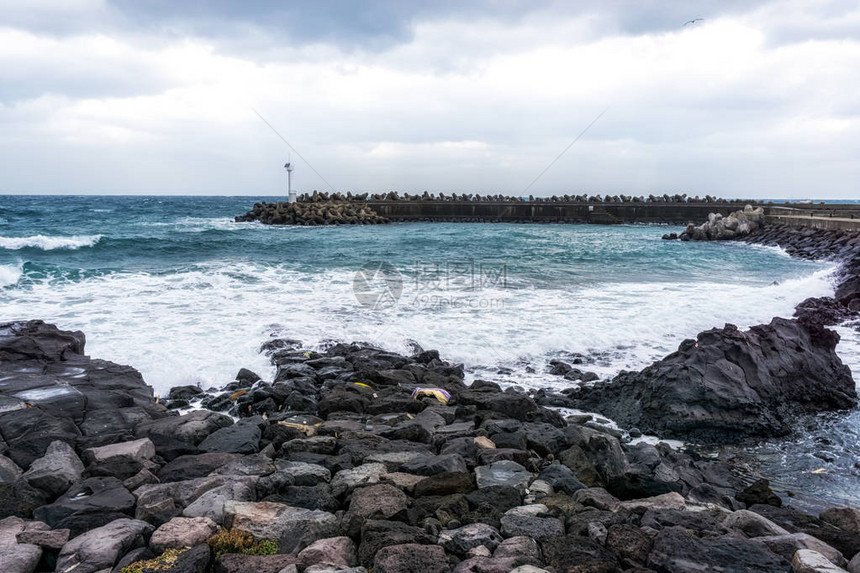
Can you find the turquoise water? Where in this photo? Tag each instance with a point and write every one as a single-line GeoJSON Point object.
{"type": "Point", "coordinates": [172, 286]}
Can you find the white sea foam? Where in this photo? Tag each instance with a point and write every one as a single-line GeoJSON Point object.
{"type": "Point", "coordinates": [9, 274]}
{"type": "Point", "coordinates": [48, 243]}
{"type": "Point", "coordinates": [203, 324]}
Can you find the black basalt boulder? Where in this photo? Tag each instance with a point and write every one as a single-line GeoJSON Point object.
{"type": "Point", "coordinates": [728, 385]}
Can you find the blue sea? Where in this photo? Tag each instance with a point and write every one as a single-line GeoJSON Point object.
{"type": "Point", "coordinates": [174, 287]}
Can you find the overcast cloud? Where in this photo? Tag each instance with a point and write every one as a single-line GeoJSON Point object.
{"type": "Point", "coordinates": [758, 99]}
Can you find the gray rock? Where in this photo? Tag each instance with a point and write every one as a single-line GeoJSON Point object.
{"type": "Point", "coordinates": [241, 438]}
{"type": "Point", "coordinates": [136, 450]}
{"type": "Point", "coordinates": [182, 532]}
{"type": "Point", "coordinates": [678, 551]}
{"type": "Point", "coordinates": [339, 551]}
{"type": "Point", "coordinates": [46, 538]}
{"type": "Point", "coordinates": [809, 561]}
{"type": "Point", "coordinates": [561, 478]}
{"type": "Point", "coordinates": [432, 465]}
{"type": "Point", "coordinates": [193, 427]}
{"type": "Point", "coordinates": [302, 473]}
{"type": "Point", "coordinates": [236, 563]}
{"type": "Point", "coordinates": [728, 385]}
{"type": "Point", "coordinates": [56, 471]}
{"type": "Point", "coordinates": [493, 564]}
{"type": "Point", "coordinates": [854, 564]}
{"type": "Point", "coordinates": [518, 546]}
{"type": "Point", "coordinates": [598, 498]}
{"type": "Point", "coordinates": [540, 529]}
{"type": "Point", "coordinates": [20, 558]}
{"type": "Point", "coordinates": [462, 539]}
{"type": "Point", "coordinates": [211, 503]}
{"type": "Point", "coordinates": [345, 481]}
{"type": "Point", "coordinates": [102, 547]}
{"type": "Point", "coordinates": [505, 473]}
{"type": "Point", "coordinates": [788, 544]}
{"type": "Point", "coordinates": [9, 470]}
{"type": "Point", "coordinates": [90, 496]}
{"type": "Point", "coordinates": [380, 501]}
{"type": "Point", "coordinates": [394, 461]}
{"type": "Point", "coordinates": [845, 518]}
{"type": "Point", "coordinates": [411, 558]}
{"type": "Point", "coordinates": [752, 524]}
{"type": "Point", "coordinates": [294, 528]}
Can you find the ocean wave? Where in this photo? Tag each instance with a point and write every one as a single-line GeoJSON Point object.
{"type": "Point", "coordinates": [49, 243]}
{"type": "Point", "coordinates": [9, 274]}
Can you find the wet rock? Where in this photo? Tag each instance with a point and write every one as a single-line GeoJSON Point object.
{"type": "Point", "coordinates": [56, 471]}
{"type": "Point", "coordinates": [36, 340]}
{"type": "Point", "coordinates": [184, 392]}
{"type": "Point", "coordinates": [93, 495]}
{"type": "Point", "coordinates": [240, 438]}
{"type": "Point", "coordinates": [728, 385]}
{"type": "Point", "coordinates": [102, 547]}
{"type": "Point", "coordinates": [759, 492]}
{"type": "Point", "coordinates": [182, 532]}
{"type": "Point", "coordinates": [503, 473]}
{"type": "Point", "coordinates": [561, 478]}
{"type": "Point", "coordinates": [411, 558]}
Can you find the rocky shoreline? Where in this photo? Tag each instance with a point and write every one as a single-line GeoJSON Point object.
{"type": "Point", "coordinates": [354, 458]}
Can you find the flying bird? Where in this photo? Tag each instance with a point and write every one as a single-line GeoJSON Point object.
{"type": "Point", "coordinates": [693, 21]}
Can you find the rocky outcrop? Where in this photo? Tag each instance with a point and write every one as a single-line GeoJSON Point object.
{"type": "Point", "coordinates": [312, 213]}
{"type": "Point", "coordinates": [364, 473]}
{"type": "Point", "coordinates": [728, 385]}
{"type": "Point", "coordinates": [736, 225]}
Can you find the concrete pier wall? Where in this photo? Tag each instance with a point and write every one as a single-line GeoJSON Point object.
{"type": "Point", "coordinates": [604, 213]}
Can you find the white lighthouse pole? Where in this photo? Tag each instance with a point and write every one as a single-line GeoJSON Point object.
{"type": "Point", "coordinates": [290, 193]}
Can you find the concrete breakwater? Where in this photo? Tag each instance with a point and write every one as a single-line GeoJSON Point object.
{"type": "Point", "coordinates": [336, 208]}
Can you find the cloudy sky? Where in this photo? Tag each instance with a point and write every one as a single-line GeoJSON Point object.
{"type": "Point", "coordinates": [757, 99]}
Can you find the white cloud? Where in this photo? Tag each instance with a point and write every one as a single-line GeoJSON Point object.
{"type": "Point", "coordinates": [482, 106]}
